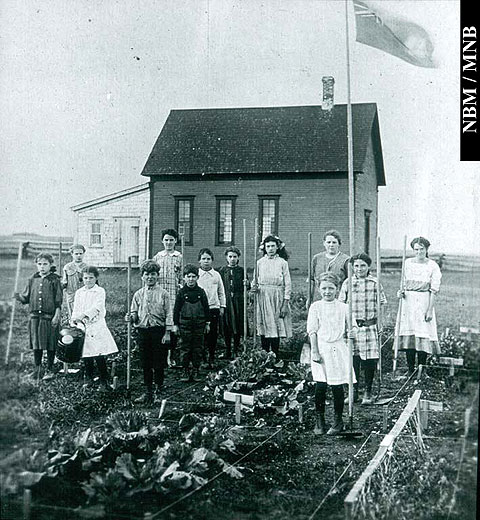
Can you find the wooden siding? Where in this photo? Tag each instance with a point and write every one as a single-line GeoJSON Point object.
{"type": "Point", "coordinates": [134, 205]}
{"type": "Point", "coordinates": [308, 203]}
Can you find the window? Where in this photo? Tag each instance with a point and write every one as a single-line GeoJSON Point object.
{"type": "Point", "coordinates": [184, 218]}
{"type": "Point", "coordinates": [366, 244]}
{"type": "Point", "coordinates": [268, 215]}
{"type": "Point", "coordinates": [225, 220]}
{"type": "Point", "coordinates": [96, 233]}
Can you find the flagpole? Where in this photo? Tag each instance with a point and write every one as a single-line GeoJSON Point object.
{"type": "Point", "coordinates": [351, 206]}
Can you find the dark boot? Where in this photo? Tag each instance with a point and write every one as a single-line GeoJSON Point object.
{"type": "Point", "coordinates": [146, 398]}
{"type": "Point", "coordinates": [320, 426]}
{"type": "Point", "coordinates": [337, 425]}
{"type": "Point", "coordinates": [356, 396]}
{"type": "Point", "coordinates": [187, 375]}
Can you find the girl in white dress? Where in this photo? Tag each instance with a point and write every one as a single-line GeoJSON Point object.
{"type": "Point", "coordinates": [417, 324]}
{"type": "Point", "coordinates": [89, 308]}
{"type": "Point", "coordinates": [330, 354]}
{"type": "Point", "coordinates": [273, 287]}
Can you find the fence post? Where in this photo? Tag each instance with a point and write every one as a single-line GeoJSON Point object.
{"type": "Point", "coordinates": [348, 510]}
{"type": "Point", "coordinates": [238, 409]}
{"type": "Point", "coordinates": [300, 413]}
{"type": "Point", "coordinates": [424, 414]}
{"type": "Point", "coordinates": [27, 503]}
{"type": "Point", "coordinates": [385, 418]}
{"type": "Point", "coordinates": [419, 425]}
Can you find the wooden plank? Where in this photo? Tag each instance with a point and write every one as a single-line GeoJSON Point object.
{"type": "Point", "coordinates": [458, 362]}
{"type": "Point", "coordinates": [431, 406]}
{"type": "Point", "coordinates": [245, 398]}
{"type": "Point", "coordinates": [469, 330]}
{"type": "Point", "coordinates": [372, 466]}
{"type": "Point", "coordinates": [405, 415]}
{"type": "Point", "coordinates": [386, 443]}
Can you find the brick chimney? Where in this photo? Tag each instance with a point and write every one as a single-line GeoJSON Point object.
{"type": "Point", "coordinates": [327, 101]}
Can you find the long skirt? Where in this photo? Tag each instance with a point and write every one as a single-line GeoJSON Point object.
{"type": "Point", "coordinates": [415, 332]}
{"type": "Point", "coordinates": [269, 303]}
{"type": "Point", "coordinates": [333, 368]}
{"type": "Point", "coordinates": [43, 335]}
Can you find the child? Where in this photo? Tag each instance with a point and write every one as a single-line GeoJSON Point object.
{"type": "Point", "coordinates": [211, 282]}
{"type": "Point", "coordinates": [72, 275]}
{"type": "Point", "coordinates": [191, 316]}
{"type": "Point", "coordinates": [417, 323]}
{"type": "Point", "coordinates": [273, 286]}
{"type": "Point", "coordinates": [151, 313]}
{"type": "Point", "coordinates": [43, 293]}
{"type": "Point", "coordinates": [170, 262]}
{"type": "Point", "coordinates": [331, 260]}
{"type": "Point", "coordinates": [364, 308]}
{"type": "Point", "coordinates": [233, 281]}
{"type": "Point", "coordinates": [89, 308]}
{"type": "Point", "coordinates": [330, 355]}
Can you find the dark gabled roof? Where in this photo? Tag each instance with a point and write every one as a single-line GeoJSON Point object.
{"type": "Point", "coordinates": [264, 140]}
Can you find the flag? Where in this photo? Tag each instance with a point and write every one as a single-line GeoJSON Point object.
{"type": "Point", "coordinates": [393, 34]}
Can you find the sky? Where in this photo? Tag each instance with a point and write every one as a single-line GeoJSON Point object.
{"type": "Point", "coordinates": [86, 87]}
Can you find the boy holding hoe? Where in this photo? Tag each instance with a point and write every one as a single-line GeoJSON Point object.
{"type": "Point", "coordinates": [151, 314]}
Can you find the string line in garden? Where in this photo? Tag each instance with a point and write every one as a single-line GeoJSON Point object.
{"type": "Point", "coordinates": [339, 478]}
{"type": "Point", "coordinates": [447, 367]}
{"type": "Point", "coordinates": [428, 437]}
{"type": "Point", "coordinates": [468, 414]}
{"type": "Point", "coordinates": [224, 470]}
{"type": "Point", "coordinates": [413, 374]}
{"type": "Point", "coordinates": [77, 512]}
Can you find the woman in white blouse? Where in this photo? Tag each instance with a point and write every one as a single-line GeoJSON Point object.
{"type": "Point", "coordinates": [417, 324]}
{"type": "Point", "coordinates": [89, 308]}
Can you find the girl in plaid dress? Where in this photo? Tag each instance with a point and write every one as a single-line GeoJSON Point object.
{"type": "Point", "coordinates": [366, 349]}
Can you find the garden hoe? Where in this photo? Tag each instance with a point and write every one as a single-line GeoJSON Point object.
{"type": "Point", "coordinates": [129, 324]}
{"type": "Point", "coordinates": [380, 400]}
{"type": "Point", "coordinates": [350, 433]}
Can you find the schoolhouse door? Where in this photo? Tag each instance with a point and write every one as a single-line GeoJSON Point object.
{"type": "Point", "coordinates": [126, 239]}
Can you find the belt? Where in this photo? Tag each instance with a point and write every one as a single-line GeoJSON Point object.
{"type": "Point", "coordinates": [366, 323]}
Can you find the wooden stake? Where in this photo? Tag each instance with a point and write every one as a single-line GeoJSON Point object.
{"type": "Point", "coordinates": [182, 246]}
{"type": "Point", "coordinates": [309, 269]}
{"type": "Point", "coordinates": [399, 314]}
{"type": "Point", "coordinates": [115, 382]}
{"type": "Point", "coordinates": [12, 315]}
{"type": "Point", "coordinates": [129, 325]}
{"type": "Point", "coordinates": [300, 413]}
{"type": "Point", "coordinates": [27, 504]}
{"type": "Point", "coordinates": [385, 418]}
{"type": "Point", "coordinates": [238, 409]}
{"type": "Point", "coordinates": [245, 282]}
{"type": "Point", "coordinates": [59, 258]}
{"type": "Point", "coordinates": [255, 281]}
{"type": "Point", "coordinates": [114, 366]}
{"type": "Point", "coordinates": [162, 408]}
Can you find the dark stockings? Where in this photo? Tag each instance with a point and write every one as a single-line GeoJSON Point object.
{"type": "Point", "coordinates": [320, 397]}
{"type": "Point", "coordinates": [101, 364]}
{"type": "Point", "coordinates": [422, 359]}
{"type": "Point", "coordinates": [38, 354]}
{"type": "Point", "coordinates": [369, 366]}
{"type": "Point", "coordinates": [272, 344]}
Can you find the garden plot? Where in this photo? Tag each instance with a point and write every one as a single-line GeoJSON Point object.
{"type": "Point", "coordinates": [286, 472]}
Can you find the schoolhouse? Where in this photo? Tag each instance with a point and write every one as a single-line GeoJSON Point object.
{"type": "Point", "coordinates": [211, 168]}
{"type": "Point", "coordinates": [114, 227]}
